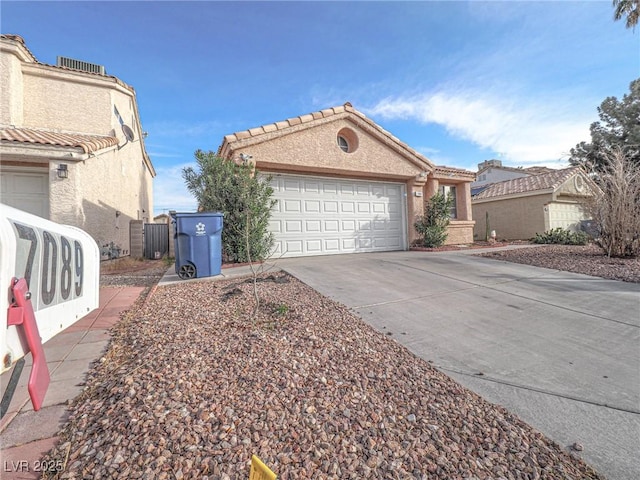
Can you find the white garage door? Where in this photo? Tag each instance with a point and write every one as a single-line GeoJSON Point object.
{"type": "Point", "coordinates": [28, 191]}
{"type": "Point", "coordinates": [566, 215]}
{"type": "Point", "coordinates": [323, 216]}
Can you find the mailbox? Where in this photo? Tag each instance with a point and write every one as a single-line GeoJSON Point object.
{"type": "Point", "coordinates": [49, 278]}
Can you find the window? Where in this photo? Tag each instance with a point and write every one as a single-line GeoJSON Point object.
{"type": "Point", "coordinates": [343, 144]}
{"type": "Point", "coordinates": [450, 190]}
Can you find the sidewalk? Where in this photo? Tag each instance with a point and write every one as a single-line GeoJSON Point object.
{"type": "Point", "coordinates": [25, 435]}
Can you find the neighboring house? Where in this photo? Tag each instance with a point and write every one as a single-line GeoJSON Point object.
{"type": "Point", "coordinates": [492, 171]}
{"type": "Point", "coordinates": [521, 207]}
{"type": "Point", "coordinates": [71, 145]}
{"type": "Point", "coordinates": [343, 184]}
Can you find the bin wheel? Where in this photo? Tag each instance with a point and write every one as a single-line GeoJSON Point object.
{"type": "Point", "coordinates": [187, 271]}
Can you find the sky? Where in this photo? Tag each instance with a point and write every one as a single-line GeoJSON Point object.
{"type": "Point", "coordinates": [458, 81]}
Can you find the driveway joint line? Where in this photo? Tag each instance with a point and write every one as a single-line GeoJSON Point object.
{"type": "Point", "coordinates": [484, 377]}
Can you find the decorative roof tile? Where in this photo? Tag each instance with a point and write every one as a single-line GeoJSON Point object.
{"type": "Point", "coordinates": [543, 181]}
{"type": "Point", "coordinates": [88, 143]}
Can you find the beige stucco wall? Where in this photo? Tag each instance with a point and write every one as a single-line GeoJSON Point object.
{"type": "Point", "coordinates": [11, 112]}
{"type": "Point", "coordinates": [98, 185]}
{"type": "Point", "coordinates": [459, 232]}
{"type": "Point", "coordinates": [115, 181]}
{"type": "Point", "coordinates": [513, 219]}
{"type": "Point", "coordinates": [315, 149]}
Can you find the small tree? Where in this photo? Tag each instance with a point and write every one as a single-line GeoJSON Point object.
{"type": "Point", "coordinates": [618, 127]}
{"type": "Point", "coordinates": [616, 208]}
{"type": "Point", "coordinates": [243, 197]}
{"type": "Point", "coordinates": [432, 226]}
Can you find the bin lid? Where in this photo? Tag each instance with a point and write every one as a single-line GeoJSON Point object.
{"type": "Point", "coordinates": [197, 214]}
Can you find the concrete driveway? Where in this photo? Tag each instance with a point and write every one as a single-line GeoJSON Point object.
{"type": "Point", "coordinates": [560, 350]}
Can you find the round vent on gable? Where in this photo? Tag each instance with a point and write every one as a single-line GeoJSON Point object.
{"type": "Point", "coordinates": [347, 140]}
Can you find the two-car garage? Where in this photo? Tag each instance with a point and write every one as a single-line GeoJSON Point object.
{"type": "Point", "coordinates": [323, 216]}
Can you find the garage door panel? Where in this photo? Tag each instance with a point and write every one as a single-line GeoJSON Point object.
{"type": "Point", "coordinates": [379, 225]}
{"type": "Point", "coordinates": [293, 226]}
{"type": "Point", "coordinates": [292, 186]}
{"type": "Point", "coordinates": [293, 247]}
{"type": "Point", "coordinates": [364, 207]}
{"type": "Point", "coordinates": [330, 207]}
{"type": "Point", "coordinates": [28, 191]}
{"type": "Point", "coordinates": [311, 187]}
{"type": "Point", "coordinates": [312, 206]}
{"type": "Point", "coordinates": [292, 206]}
{"type": "Point", "coordinates": [346, 189]}
{"type": "Point", "coordinates": [314, 247]}
{"type": "Point", "coordinates": [348, 244]}
{"type": "Point", "coordinates": [332, 245]}
{"type": "Point", "coordinates": [347, 207]}
{"type": "Point", "coordinates": [313, 226]}
{"type": "Point", "coordinates": [348, 225]}
{"type": "Point", "coordinates": [331, 226]}
{"type": "Point", "coordinates": [319, 216]}
{"type": "Point", "coordinates": [275, 226]}
{"type": "Point", "coordinates": [378, 207]}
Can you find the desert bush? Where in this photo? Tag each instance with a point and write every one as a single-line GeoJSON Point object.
{"type": "Point", "coordinates": [432, 226]}
{"type": "Point", "coordinates": [561, 236]}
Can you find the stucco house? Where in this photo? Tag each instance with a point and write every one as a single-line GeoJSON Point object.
{"type": "Point", "coordinates": [492, 171]}
{"type": "Point", "coordinates": [71, 145]}
{"type": "Point", "coordinates": [521, 207]}
{"type": "Point", "coordinates": [343, 184]}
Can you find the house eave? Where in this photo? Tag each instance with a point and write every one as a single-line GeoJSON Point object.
{"type": "Point", "coordinates": [15, 151]}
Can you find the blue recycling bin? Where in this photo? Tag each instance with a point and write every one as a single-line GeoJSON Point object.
{"type": "Point", "coordinates": [198, 244]}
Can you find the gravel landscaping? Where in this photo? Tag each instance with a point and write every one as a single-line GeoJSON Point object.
{"type": "Point", "coordinates": [191, 387]}
{"type": "Point", "coordinates": [587, 259]}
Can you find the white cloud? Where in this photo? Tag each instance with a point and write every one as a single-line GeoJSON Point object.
{"type": "Point", "coordinates": [170, 192]}
{"type": "Point", "coordinates": [520, 130]}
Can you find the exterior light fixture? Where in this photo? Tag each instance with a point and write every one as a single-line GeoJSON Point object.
{"type": "Point", "coordinates": [63, 171]}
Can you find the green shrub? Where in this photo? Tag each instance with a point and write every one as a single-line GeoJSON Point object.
{"type": "Point", "coordinates": [561, 236]}
{"type": "Point", "coordinates": [432, 226]}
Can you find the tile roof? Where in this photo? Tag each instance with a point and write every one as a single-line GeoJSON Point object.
{"type": "Point", "coordinates": [347, 108]}
{"type": "Point", "coordinates": [290, 122]}
{"type": "Point", "coordinates": [544, 181]}
{"type": "Point", "coordinates": [88, 143]}
{"type": "Point", "coordinates": [20, 40]}
{"type": "Point", "coordinates": [442, 171]}
{"type": "Point", "coordinates": [535, 170]}
{"type": "Point", "coordinates": [538, 170]}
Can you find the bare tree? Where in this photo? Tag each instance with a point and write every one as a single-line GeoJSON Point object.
{"type": "Point", "coordinates": [616, 207]}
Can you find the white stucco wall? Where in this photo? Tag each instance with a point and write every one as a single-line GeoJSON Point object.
{"type": "Point", "coordinates": [494, 175]}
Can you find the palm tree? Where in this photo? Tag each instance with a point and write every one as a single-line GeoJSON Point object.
{"type": "Point", "coordinates": [630, 8]}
